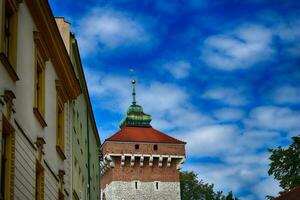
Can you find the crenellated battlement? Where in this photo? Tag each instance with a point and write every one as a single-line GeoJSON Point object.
{"type": "Point", "coordinates": [144, 160]}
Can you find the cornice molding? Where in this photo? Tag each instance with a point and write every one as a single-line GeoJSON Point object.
{"type": "Point", "coordinates": [42, 47]}
{"type": "Point", "coordinates": [61, 91]}
{"type": "Point", "coordinates": [46, 25]}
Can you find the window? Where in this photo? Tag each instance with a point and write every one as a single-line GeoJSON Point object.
{"type": "Point", "coordinates": [136, 185]}
{"type": "Point", "coordinates": [39, 181]}
{"type": "Point", "coordinates": [3, 166]}
{"type": "Point", "coordinates": [60, 140]}
{"type": "Point", "coordinates": [60, 118]}
{"type": "Point", "coordinates": [39, 79]}
{"type": "Point", "coordinates": [9, 37]}
{"type": "Point", "coordinates": [137, 146]}
{"type": "Point", "coordinates": [74, 120]}
{"type": "Point", "coordinates": [156, 183]}
{"type": "Point", "coordinates": [77, 119]}
{"type": "Point", "coordinates": [7, 160]}
{"type": "Point", "coordinates": [60, 125]}
{"type": "Point", "coordinates": [155, 147]}
{"type": "Point", "coordinates": [39, 87]}
{"type": "Point", "coordinates": [81, 135]}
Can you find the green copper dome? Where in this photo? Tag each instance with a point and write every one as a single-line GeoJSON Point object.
{"type": "Point", "coordinates": [135, 114]}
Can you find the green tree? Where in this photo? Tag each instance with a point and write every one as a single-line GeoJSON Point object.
{"type": "Point", "coordinates": [285, 164]}
{"type": "Point", "coordinates": [193, 189]}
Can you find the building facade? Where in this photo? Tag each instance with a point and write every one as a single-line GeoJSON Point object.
{"type": "Point", "coordinates": [85, 138]}
{"type": "Point", "coordinates": [140, 162]}
{"type": "Point", "coordinates": [39, 88]}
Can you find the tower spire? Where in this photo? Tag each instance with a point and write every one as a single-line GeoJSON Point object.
{"type": "Point", "coordinates": [133, 91]}
{"type": "Point", "coordinates": [135, 114]}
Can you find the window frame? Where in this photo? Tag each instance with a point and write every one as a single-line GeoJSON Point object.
{"type": "Point", "coordinates": [8, 54]}
{"type": "Point", "coordinates": [60, 119]}
{"type": "Point", "coordinates": [9, 133]}
{"type": "Point", "coordinates": [156, 185]}
{"type": "Point", "coordinates": [39, 181]}
{"type": "Point", "coordinates": [41, 57]}
{"type": "Point", "coordinates": [60, 116]}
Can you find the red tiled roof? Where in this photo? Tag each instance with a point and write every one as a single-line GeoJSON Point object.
{"type": "Point", "coordinates": [142, 134]}
{"type": "Point", "coordinates": [293, 194]}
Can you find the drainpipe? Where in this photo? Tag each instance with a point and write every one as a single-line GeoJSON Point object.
{"type": "Point", "coordinates": [88, 151]}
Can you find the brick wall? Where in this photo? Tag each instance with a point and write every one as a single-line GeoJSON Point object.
{"type": "Point", "coordinates": [144, 148]}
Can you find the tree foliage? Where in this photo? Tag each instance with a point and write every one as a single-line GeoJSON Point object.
{"type": "Point", "coordinates": [193, 189]}
{"type": "Point", "coordinates": [285, 164]}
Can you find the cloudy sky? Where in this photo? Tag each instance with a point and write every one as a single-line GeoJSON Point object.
{"type": "Point", "coordinates": [222, 75]}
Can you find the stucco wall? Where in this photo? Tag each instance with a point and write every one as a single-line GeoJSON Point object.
{"type": "Point", "coordinates": [81, 129]}
{"type": "Point", "coordinates": [29, 127]}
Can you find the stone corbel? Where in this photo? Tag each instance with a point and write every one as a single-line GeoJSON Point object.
{"type": "Point", "coordinates": [132, 161]}
{"type": "Point", "coordinates": [160, 161]}
{"type": "Point", "coordinates": [106, 164]}
{"type": "Point", "coordinates": [110, 161]}
{"type": "Point", "coordinates": [40, 146]}
{"type": "Point", "coordinates": [169, 161]}
{"type": "Point", "coordinates": [142, 161]}
{"type": "Point", "coordinates": [122, 160]}
{"type": "Point", "coordinates": [180, 163]}
{"type": "Point", "coordinates": [151, 161]}
{"type": "Point", "coordinates": [9, 96]}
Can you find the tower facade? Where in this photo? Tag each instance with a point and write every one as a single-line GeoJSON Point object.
{"type": "Point", "coordinates": [140, 162]}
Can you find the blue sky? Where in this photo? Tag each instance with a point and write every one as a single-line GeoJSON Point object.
{"type": "Point", "coordinates": [222, 75]}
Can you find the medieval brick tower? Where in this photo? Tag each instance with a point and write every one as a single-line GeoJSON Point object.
{"type": "Point", "coordinates": [139, 162]}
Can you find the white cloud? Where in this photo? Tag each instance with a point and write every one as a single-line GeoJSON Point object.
{"type": "Point", "coordinates": [228, 140]}
{"type": "Point", "coordinates": [289, 33]}
{"type": "Point", "coordinates": [251, 140]}
{"type": "Point", "coordinates": [229, 114]}
{"type": "Point", "coordinates": [210, 140]}
{"type": "Point", "coordinates": [268, 186]}
{"type": "Point", "coordinates": [274, 118]}
{"type": "Point", "coordinates": [105, 28]}
{"type": "Point", "coordinates": [286, 29]}
{"type": "Point", "coordinates": [237, 176]}
{"type": "Point", "coordinates": [238, 49]}
{"type": "Point", "coordinates": [179, 69]}
{"type": "Point", "coordinates": [228, 96]}
{"type": "Point", "coordinates": [241, 167]}
{"type": "Point", "coordinates": [287, 95]}
{"type": "Point", "coordinates": [167, 103]}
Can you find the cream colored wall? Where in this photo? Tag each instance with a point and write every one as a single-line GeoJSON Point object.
{"type": "Point", "coordinates": [64, 29]}
{"type": "Point", "coordinates": [29, 125]}
{"type": "Point", "coordinates": [25, 91]}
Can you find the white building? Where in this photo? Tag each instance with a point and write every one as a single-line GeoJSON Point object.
{"type": "Point", "coordinates": [37, 85]}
